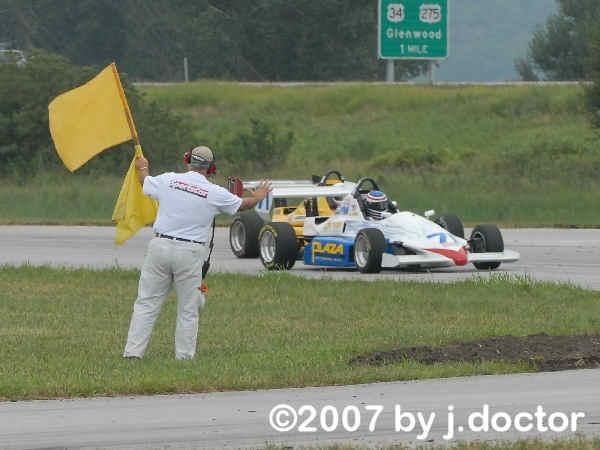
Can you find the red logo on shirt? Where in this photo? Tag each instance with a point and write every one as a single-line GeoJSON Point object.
{"type": "Point", "coordinates": [189, 188]}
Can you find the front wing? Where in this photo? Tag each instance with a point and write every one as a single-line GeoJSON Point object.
{"type": "Point", "coordinates": [430, 259]}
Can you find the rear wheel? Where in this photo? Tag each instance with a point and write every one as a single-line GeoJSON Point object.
{"type": "Point", "coordinates": [369, 247]}
{"type": "Point", "coordinates": [451, 223]}
{"type": "Point", "coordinates": [278, 246]}
{"type": "Point", "coordinates": [243, 234]}
{"type": "Point", "coordinates": [486, 238]}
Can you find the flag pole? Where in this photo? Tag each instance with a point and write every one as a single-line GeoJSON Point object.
{"type": "Point", "coordinates": [128, 115]}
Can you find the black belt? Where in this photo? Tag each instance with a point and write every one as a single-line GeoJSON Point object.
{"type": "Point", "coordinates": [166, 236]}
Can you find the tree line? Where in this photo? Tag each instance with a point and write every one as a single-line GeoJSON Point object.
{"type": "Point", "coordinates": [254, 40]}
{"type": "Point", "coordinates": [261, 40]}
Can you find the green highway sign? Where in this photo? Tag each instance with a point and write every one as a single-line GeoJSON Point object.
{"type": "Point", "coordinates": [413, 29]}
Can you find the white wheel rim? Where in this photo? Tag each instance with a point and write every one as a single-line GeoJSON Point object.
{"type": "Point", "coordinates": [361, 251]}
{"type": "Point", "coordinates": [267, 247]}
{"type": "Point", "coordinates": [238, 236]}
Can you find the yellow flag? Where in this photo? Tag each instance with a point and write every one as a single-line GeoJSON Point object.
{"type": "Point", "coordinates": [133, 209]}
{"type": "Point", "coordinates": [91, 118]}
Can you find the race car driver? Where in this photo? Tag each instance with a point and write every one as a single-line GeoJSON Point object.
{"type": "Point", "coordinates": [376, 205]}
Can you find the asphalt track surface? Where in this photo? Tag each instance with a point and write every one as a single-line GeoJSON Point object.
{"type": "Point", "coordinates": [562, 255]}
{"type": "Point", "coordinates": [241, 419]}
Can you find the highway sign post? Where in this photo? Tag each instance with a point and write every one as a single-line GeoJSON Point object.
{"type": "Point", "coordinates": [413, 29]}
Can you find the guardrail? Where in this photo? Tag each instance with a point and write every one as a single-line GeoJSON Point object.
{"type": "Point", "coordinates": [375, 83]}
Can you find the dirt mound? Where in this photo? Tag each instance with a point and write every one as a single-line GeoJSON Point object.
{"type": "Point", "coordinates": [541, 351]}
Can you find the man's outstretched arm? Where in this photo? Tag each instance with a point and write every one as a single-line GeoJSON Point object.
{"type": "Point", "coordinates": [264, 187]}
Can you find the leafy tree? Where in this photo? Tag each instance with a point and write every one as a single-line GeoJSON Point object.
{"type": "Point", "coordinates": [261, 146]}
{"type": "Point", "coordinates": [525, 70]}
{"type": "Point", "coordinates": [560, 50]}
{"type": "Point", "coordinates": [311, 40]}
{"type": "Point", "coordinates": [25, 142]}
{"type": "Point", "coordinates": [86, 31]}
{"type": "Point", "coordinates": [26, 92]}
{"type": "Point", "coordinates": [593, 92]}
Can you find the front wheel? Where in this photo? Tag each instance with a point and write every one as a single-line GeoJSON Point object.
{"type": "Point", "coordinates": [369, 247]}
{"type": "Point", "coordinates": [278, 246]}
{"type": "Point", "coordinates": [486, 238]}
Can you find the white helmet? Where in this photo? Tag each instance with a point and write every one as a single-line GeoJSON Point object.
{"type": "Point", "coordinates": [376, 204]}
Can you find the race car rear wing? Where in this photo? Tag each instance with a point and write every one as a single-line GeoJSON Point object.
{"type": "Point", "coordinates": [290, 189]}
{"type": "Point", "coordinates": [237, 186]}
{"type": "Point", "coordinates": [294, 188]}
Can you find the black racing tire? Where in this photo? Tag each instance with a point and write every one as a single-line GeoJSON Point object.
{"type": "Point", "coordinates": [278, 246]}
{"type": "Point", "coordinates": [369, 247]}
{"type": "Point", "coordinates": [451, 223]}
{"type": "Point", "coordinates": [243, 234]}
{"type": "Point", "coordinates": [486, 238]}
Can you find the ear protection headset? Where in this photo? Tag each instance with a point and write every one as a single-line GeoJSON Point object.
{"type": "Point", "coordinates": [210, 166]}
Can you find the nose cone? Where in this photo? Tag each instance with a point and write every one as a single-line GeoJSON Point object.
{"type": "Point", "coordinates": [459, 256]}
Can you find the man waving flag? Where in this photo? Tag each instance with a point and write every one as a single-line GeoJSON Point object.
{"type": "Point", "coordinates": [90, 119]}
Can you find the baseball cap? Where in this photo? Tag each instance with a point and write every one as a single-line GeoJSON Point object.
{"type": "Point", "coordinates": [201, 156]}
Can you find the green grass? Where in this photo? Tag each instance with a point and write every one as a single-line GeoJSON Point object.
{"type": "Point", "coordinates": [86, 200]}
{"type": "Point", "coordinates": [63, 199]}
{"type": "Point", "coordinates": [75, 199]}
{"type": "Point", "coordinates": [63, 331]}
{"type": "Point", "coordinates": [516, 156]}
{"type": "Point", "coordinates": [519, 155]}
{"type": "Point", "coordinates": [362, 126]}
{"type": "Point", "coordinates": [69, 199]}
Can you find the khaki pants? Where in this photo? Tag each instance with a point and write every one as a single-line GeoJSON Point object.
{"type": "Point", "coordinates": [168, 263]}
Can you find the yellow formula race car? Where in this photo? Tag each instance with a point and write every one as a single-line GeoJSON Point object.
{"type": "Point", "coordinates": [281, 206]}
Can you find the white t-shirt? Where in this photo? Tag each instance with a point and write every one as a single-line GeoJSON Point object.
{"type": "Point", "coordinates": [187, 204]}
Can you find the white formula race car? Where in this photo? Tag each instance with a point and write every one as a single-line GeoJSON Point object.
{"type": "Point", "coordinates": [395, 239]}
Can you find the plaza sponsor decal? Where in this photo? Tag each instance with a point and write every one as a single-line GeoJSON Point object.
{"type": "Point", "coordinates": [329, 249]}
